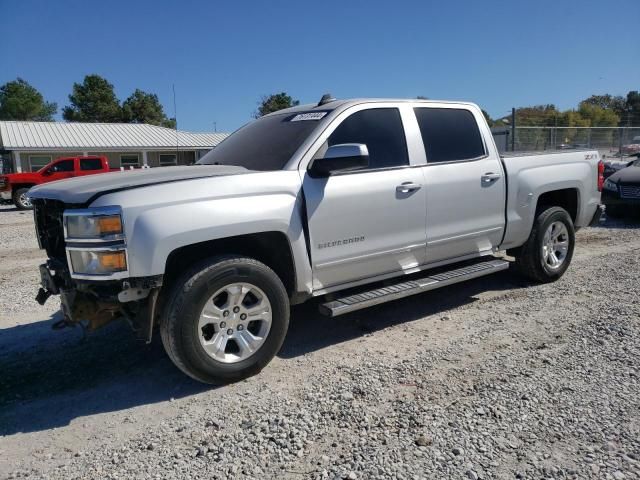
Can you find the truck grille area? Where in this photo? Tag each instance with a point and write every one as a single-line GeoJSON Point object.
{"type": "Point", "coordinates": [49, 228]}
{"type": "Point", "coordinates": [630, 191]}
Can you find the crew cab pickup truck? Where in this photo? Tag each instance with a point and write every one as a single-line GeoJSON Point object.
{"type": "Point", "coordinates": [14, 186]}
{"type": "Point", "coordinates": [353, 202]}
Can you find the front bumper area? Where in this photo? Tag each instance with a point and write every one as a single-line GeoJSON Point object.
{"type": "Point", "coordinates": [94, 304]}
{"type": "Point", "coordinates": [5, 195]}
{"type": "Point", "coordinates": [613, 198]}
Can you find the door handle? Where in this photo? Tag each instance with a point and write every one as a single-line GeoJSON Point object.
{"type": "Point", "coordinates": [490, 177]}
{"type": "Point", "coordinates": [407, 187]}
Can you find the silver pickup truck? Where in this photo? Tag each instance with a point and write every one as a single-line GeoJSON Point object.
{"type": "Point", "coordinates": [357, 202]}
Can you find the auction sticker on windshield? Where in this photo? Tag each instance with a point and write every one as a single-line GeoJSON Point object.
{"type": "Point", "coordinates": [308, 116]}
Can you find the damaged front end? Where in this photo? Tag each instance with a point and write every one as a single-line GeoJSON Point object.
{"type": "Point", "coordinates": [88, 268]}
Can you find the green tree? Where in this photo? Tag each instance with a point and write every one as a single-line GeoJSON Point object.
{"type": "Point", "coordinates": [93, 100]}
{"type": "Point", "coordinates": [598, 116]}
{"type": "Point", "coordinates": [21, 101]}
{"type": "Point", "coordinates": [273, 103]}
{"type": "Point", "coordinates": [632, 109]}
{"type": "Point", "coordinates": [143, 107]}
{"type": "Point", "coordinates": [537, 116]}
{"type": "Point", "coordinates": [606, 102]}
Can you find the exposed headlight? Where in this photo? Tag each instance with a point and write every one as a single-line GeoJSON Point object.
{"type": "Point", "coordinates": [611, 186]}
{"type": "Point", "coordinates": [99, 224]}
{"type": "Point", "coordinates": [98, 262]}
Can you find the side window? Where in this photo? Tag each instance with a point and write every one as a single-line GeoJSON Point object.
{"type": "Point", "coordinates": [449, 134]}
{"type": "Point", "coordinates": [90, 164]}
{"type": "Point", "coordinates": [63, 166]}
{"type": "Point", "coordinates": [380, 129]}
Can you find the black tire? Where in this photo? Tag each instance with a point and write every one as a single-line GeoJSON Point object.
{"type": "Point", "coordinates": [19, 201]}
{"type": "Point", "coordinates": [614, 211]}
{"type": "Point", "coordinates": [187, 298]}
{"type": "Point", "coordinates": [529, 257]}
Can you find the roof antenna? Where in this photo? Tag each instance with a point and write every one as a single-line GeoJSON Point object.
{"type": "Point", "coordinates": [326, 98]}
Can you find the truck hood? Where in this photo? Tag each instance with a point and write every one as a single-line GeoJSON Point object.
{"type": "Point", "coordinates": [626, 175]}
{"type": "Point", "coordinates": [81, 190]}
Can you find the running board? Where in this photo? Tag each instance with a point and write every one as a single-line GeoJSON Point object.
{"type": "Point", "coordinates": [369, 298]}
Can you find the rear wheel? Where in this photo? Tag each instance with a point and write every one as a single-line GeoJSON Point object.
{"type": "Point", "coordinates": [21, 200]}
{"type": "Point", "coordinates": [225, 320]}
{"type": "Point", "coordinates": [549, 249]}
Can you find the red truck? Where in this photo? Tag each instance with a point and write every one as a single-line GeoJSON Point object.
{"type": "Point", "coordinates": [14, 186]}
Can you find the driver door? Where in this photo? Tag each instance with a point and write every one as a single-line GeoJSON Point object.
{"type": "Point", "coordinates": [61, 169]}
{"type": "Point", "coordinates": [369, 222]}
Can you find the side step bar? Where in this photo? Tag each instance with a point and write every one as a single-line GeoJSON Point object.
{"type": "Point", "coordinates": [369, 298]}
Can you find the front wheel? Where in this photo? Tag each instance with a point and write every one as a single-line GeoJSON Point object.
{"type": "Point", "coordinates": [549, 249]}
{"type": "Point", "coordinates": [21, 200]}
{"type": "Point", "coordinates": [225, 320]}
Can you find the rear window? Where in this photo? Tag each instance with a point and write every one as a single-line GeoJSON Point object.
{"type": "Point", "coordinates": [90, 164]}
{"type": "Point", "coordinates": [449, 134]}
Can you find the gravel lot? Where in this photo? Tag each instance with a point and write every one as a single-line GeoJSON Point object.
{"type": "Point", "coordinates": [494, 378]}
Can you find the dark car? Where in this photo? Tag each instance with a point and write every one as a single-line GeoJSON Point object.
{"type": "Point", "coordinates": [612, 167]}
{"type": "Point", "coordinates": [621, 191]}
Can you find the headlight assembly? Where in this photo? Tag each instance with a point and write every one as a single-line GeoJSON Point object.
{"type": "Point", "coordinates": [103, 224]}
{"type": "Point", "coordinates": [611, 186]}
{"type": "Point", "coordinates": [95, 243]}
{"type": "Point", "coordinates": [97, 262]}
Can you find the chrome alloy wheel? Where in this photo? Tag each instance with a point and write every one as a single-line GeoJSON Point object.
{"type": "Point", "coordinates": [555, 245]}
{"type": "Point", "coordinates": [25, 201]}
{"type": "Point", "coordinates": [235, 322]}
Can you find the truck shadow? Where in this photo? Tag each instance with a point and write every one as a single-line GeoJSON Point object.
{"type": "Point", "coordinates": [628, 221]}
{"type": "Point", "coordinates": [56, 377]}
{"type": "Point", "coordinates": [310, 331]}
{"type": "Point", "coordinates": [48, 379]}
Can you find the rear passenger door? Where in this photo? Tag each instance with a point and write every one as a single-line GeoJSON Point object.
{"type": "Point", "coordinates": [464, 183]}
{"type": "Point", "coordinates": [369, 222]}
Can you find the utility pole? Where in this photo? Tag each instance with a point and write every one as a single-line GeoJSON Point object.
{"type": "Point", "coordinates": [215, 127]}
{"type": "Point", "coordinates": [513, 129]}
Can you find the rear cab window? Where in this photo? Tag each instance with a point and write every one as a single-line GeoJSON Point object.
{"type": "Point", "coordinates": [449, 134]}
{"type": "Point", "coordinates": [90, 164]}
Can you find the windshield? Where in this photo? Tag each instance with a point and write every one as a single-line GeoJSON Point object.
{"type": "Point", "coordinates": [266, 144]}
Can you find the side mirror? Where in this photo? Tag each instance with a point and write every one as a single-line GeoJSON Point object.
{"type": "Point", "coordinates": [47, 172]}
{"type": "Point", "coordinates": [340, 158]}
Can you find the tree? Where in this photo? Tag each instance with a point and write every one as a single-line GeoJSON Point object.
{"type": "Point", "coordinates": [143, 107]}
{"type": "Point", "coordinates": [598, 116]}
{"type": "Point", "coordinates": [93, 101]}
{"type": "Point", "coordinates": [273, 103]}
{"type": "Point", "coordinates": [606, 102]}
{"type": "Point", "coordinates": [21, 101]}
{"type": "Point", "coordinates": [632, 109]}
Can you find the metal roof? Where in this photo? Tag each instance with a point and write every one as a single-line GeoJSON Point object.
{"type": "Point", "coordinates": [75, 136]}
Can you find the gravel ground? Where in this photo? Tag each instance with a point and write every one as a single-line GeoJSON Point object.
{"type": "Point", "coordinates": [495, 378]}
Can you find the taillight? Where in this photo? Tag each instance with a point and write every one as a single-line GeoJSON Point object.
{"type": "Point", "coordinates": [600, 175]}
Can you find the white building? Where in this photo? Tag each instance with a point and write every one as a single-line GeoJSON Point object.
{"type": "Point", "coordinates": [28, 146]}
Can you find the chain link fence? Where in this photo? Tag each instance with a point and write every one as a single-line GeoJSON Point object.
{"type": "Point", "coordinates": [620, 142]}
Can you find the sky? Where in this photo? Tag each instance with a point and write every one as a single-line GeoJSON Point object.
{"type": "Point", "coordinates": [223, 57]}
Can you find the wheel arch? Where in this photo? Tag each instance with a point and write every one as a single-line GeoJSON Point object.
{"type": "Point", "coordinates": [271, 248]}
{"type": "Point", "coordinates": [567, 198]}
